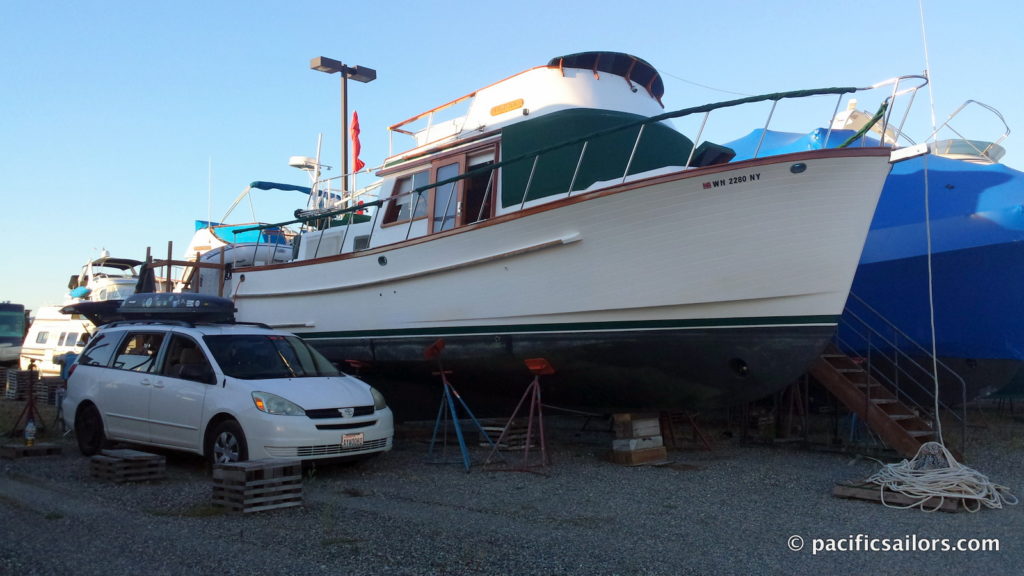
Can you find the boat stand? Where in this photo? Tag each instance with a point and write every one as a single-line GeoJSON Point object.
{"type": "Point", "coordinates": [30, 411]}
{"type": "Point", "coordinates": [447, 410]}
{"type": "Point", "coordinates": [539, 367]}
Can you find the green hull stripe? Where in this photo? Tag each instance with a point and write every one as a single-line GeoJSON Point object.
{"type": "Point", "coordinates": [774, 321]}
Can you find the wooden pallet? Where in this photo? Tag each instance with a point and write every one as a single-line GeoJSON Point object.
{"type": "Point", "coordinates": [13, 450]}
{"type": "Point", "coordinates": [257, 485]}
{"type": "Point", "coordinates": [515, 437]}
{"type": "Point", "coordinates": [18, 383]}
{"type": "Point", "coordinates": [873, 493]}
{"type": "Point", "coordinates": [127, 466]}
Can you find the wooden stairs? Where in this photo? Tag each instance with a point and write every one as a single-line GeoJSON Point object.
{"type": "Point", "coordinates": [895, 423]}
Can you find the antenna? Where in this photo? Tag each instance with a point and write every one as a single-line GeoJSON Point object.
{"type": "Point", "coordinates": [927, 66]}
{"type": "Point", "coordinates": [209, 190]}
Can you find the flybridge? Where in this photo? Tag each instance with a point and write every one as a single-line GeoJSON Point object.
{"type": "Point", "coordinates": [584, 80]}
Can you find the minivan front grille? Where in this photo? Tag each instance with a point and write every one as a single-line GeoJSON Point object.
{"type": "Point", "coordinates": [324, 413]}
{"type": "Point", "coordinates": [346, 425]}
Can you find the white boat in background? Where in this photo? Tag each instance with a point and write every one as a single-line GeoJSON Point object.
{"type": "Point", "coordinates": [558, 214]}
{"type": "Point", "coordinates": [231, 246]}
{"type": "Point", "coordinates": [54, 334]}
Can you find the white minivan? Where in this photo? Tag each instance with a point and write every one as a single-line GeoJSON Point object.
{"type": "Point", "coordinates": [228, 391]}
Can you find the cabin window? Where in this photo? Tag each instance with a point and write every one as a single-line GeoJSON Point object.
{"type": "Point", "coordinates": [41, 337]}
{"type": "Point", "coordinates": [70, 338]}
{"type": "Point", "coordinates": [404, 206]}
{"type": "Point", "coordinates": [446, 198]}
{"type": "Point", "coordinates": [479, 195]}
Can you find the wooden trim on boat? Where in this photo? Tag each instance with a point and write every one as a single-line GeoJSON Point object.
{"type": "Point", "coordinates": [397, 163]}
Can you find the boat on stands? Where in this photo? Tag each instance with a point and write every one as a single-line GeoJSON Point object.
{"type": "Point", "coordinates": [971, 237]}
{"type": "Point", "coordinates": [559, 214]}
{"type": "Point", "coordinates": [54, 334]}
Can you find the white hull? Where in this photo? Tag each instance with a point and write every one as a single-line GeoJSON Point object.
{"type": "Point", "coordinates": [671, 253]}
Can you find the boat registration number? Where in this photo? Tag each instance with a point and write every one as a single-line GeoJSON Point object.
{"type": "Point", "coordinates": [352, 440]}
{"type": "Point", "coordinates": [732, 180]}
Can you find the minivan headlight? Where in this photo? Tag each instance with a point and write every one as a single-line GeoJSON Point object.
{"type": "Point", "coordinates": [379, 403]}
{"type": "Point", "coordinates": [274, 404]}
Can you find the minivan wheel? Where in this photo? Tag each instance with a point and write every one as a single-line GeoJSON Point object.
{"type": "Point", "coordinates": [89, 431]}
{"type": "Point", "coordinates": [227, 444]}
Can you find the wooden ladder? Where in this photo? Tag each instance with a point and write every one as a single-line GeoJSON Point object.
{"type": "Point", "coordinates": [894, 422]}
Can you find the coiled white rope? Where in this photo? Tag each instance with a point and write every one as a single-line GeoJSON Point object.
{"type": "Point", "coordinates": [935, 473]}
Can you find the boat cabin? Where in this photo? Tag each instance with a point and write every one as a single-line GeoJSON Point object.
{"type": "Point", "coordinates": [502, 149]}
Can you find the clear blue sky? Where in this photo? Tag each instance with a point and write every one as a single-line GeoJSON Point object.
{"type": "Point", "coordinates": [112, 113]}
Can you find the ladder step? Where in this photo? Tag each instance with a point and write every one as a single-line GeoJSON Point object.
{"type": "Point", "coordinates": [902, 416]}
{"type": "Point", "coordinates": [885, 401]}
{"type": "Point", "coordinates": [920, 433]}
{"type": "Point", "coordinates": [848, 370]}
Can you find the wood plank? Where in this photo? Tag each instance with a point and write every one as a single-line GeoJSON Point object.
{"type": "Point", "coordinates": [874, 493]}
{"type": "Point", "coordinates": [20, 450]}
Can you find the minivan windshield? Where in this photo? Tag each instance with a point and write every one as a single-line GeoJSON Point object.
{"type": "Point", "coordinates": [264, 356]}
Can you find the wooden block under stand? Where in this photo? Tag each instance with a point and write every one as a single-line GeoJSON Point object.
{"type": "Point", "coordinates": [258, 485]}
{"type": "Point", "coordinates": [638, 457]}
{"type": "Point", "coordinates": [636, 425]}
{"type": "Point", "coordinates": [20, 450]}
{"type": "Point", "coordinates": [128, 466]}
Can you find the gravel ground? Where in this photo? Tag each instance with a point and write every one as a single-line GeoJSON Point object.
{"type": "Point", "coordinates": [732, 510]}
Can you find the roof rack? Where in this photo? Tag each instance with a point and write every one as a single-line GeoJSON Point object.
{"type": "Point", "coordinates": [184, 307]}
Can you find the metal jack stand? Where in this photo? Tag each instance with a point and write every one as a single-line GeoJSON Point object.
{"type": "Point", "coordinates": [539, 367]}
{"type": "Point", "coordinates": [447, 408]}
{"type": "Point", "coordinates": [30, 411]}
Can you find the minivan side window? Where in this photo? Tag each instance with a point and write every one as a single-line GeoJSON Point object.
{"type": "Point", "coordinates": [99, 352]}
{"type": "Point", "coordinates": [186, 360]}
{"type": "Point", "coordinates": [138, 351]}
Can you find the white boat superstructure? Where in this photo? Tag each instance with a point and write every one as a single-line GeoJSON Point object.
{"type": "Point", "coordinates": [563, 217]}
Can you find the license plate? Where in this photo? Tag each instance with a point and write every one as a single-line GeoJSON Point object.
{"type": "Point", "coordinates": [352, 440]}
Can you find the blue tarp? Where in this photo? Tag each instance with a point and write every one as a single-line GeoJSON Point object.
{"type": "Point", "coordinates": [776, 143]}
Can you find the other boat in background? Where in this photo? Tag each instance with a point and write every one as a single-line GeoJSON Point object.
{"type": "Point", "coordinates": [972, 241]}
{"type": "Point", "coordinates": [54, 334]}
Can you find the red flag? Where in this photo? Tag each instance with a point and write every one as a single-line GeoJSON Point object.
{"type": "Point", "coordinates": [354, 133]}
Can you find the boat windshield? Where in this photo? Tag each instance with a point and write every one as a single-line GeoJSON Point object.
{"type": "Point", "coordinates": [262, 356]}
